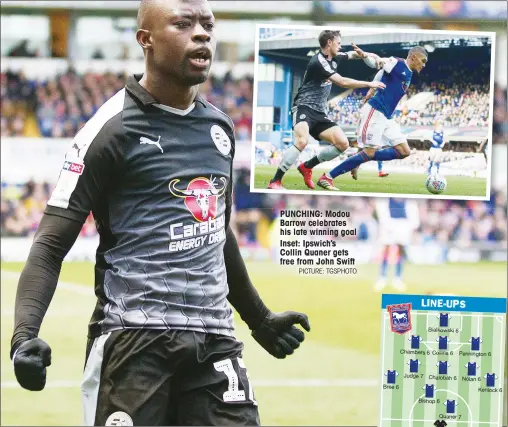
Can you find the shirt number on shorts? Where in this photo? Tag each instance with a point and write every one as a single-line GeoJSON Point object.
{"type": "Point", "coordinates": [234, 394]}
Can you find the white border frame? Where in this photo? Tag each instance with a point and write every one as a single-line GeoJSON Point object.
{"type": "Point", "coordinates": [490, 34]}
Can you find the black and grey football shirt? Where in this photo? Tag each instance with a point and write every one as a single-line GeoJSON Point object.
{"type": "Point", "coordinates": [158, 182]}
{"type": "Point", "coordinates": [316, 87]}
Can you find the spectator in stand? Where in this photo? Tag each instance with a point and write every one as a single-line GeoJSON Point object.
{"type": "Point", "coordinates": [461, 99]}
{"type": "Point", "coordinates": [62, 104]}
{"type": "Point", "coordinates": [500, 125]}
{"type": "Point", "coordinates": [442, 221]}
{"type": "Point", "coordinates": [248, 209]}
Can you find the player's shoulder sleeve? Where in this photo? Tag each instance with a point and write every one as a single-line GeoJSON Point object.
{"type": "Point", "coordinates": [320, 67]}
{"type": "Point", "coordinates": [92, 164]}
{"type": "Point", "coordinates": [227, 124]}
{"type": "Point", "coordinates": [378, 76]}
{"type": "Point", "coordinates": [229, 127]}
{"type": "Point", "coordinates": [390, 64]}
{"type": "Point", "coordinates": [342, 56]}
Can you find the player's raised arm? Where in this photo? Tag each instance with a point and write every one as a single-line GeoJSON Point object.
{"type": "Point", "coordinates": [88, 171]}
{"type": "Point", "coordinates": [372, 91]}
{"type": "Point", "coordinates": [358, 53]}
{"type": "Point", "coordinates": [275, 332]}
{"type": "Point", "coordinates": [354, 84]}
{"type": "Point", "coordinates": [369, 95]}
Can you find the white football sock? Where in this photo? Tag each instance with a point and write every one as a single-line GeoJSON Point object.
{"type": "Point", "coordinates": [289, 158]}
{"type": "Point", "coordinates": [328, 153]}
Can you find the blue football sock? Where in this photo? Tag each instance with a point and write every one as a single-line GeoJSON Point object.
{"type": "Point", "coordinates": [384, 262]}
{"type": "Point", "coordinates": [430, 167]}
{"type": "Point", "coordinates": [437, 166]}
{"type": "Point", "coordinates": [379, 166]}
{"type": "Point", "coordinates": [387, 154]}
{"type": "Point", "coordinates": [349, 164]}
{"type": "Point", "coordinates": [398, 266]}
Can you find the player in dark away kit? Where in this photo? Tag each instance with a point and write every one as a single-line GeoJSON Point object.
{"type": "Point", "coordinates": [161, 347]}
{"type": "Point", "coordinates": [310, 107]}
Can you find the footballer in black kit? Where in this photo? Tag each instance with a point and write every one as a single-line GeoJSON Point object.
{"type": "Point", "coordinates": [161, 346]}
{"type": "Point", "coordinates": [310, 107]}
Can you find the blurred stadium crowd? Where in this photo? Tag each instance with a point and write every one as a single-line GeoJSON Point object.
{"type": "Point", "coordinates": [59, 107]}
{"type": "Point", "coordinates": [460, 99]}
{"type": "Point", "coordinates": [442, 221]}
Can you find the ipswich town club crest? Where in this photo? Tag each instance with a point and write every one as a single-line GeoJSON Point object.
{"type": "Point", "coordinates": [400, 317]}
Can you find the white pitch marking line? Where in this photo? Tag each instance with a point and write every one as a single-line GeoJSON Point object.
{"type": "Point", "coordinates": [500, 400]}
{"type": "Point", "coordinates": [383, 360]}
{"type": "Point", "coordinates": [431, 421]}
{"type": "Point", "coordinates": [466, 315]}
{"type": "Point", "coordinates": [470, 421]}
{"type": "Point", "coordinates": [68, 286]}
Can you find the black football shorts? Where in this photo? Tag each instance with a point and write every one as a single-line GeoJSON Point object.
{"type": "Point", "coordinates": [153, 378]}
{"type": "Point", "coordinates": [318, 122]}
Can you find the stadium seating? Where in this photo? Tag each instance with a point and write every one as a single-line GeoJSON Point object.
{"type": "Point", "coordinates": [461, 94]}
{"type": "Point", "coordinates": [442, 221]}
{"type": "Point", "coordinates": [59, 107]}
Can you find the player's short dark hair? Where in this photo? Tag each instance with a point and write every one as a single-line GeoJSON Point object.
{"type": "Point", "coordinates": [418, 49]}
{"type": "Point", "coordinates": [327, 35]}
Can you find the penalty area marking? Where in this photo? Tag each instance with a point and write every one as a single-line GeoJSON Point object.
{"type": "Point", "coordinates": [470, 421]}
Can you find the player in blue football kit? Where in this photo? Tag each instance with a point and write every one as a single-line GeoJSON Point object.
{"type": "Point", "coordinates": [413, 365]}
{"type": "Point", "coordinates": [443, 343]}
{"type": "Point", "coordinates": [380, 172]}
{"type": "Point", "coordinates": [444, 319]}
{"type": "Point", "coordinates": [415, 341]}
{"type": "Point", "coordinates": [451, 405]}
{"type": "Point", "coordinates": [443, 367]}
{"type": "Point", "coordinates": [397, 219]}
{"type": "Point", "coordinates": [475, 343]}
{"type": "Point", "coordinates": [429, 390]}
{"type": "Point", "coordinates": [490, 380]}
{"type": "Point", "coordinates": [391, 376]}
{"type": "Point", "coordinates": [436, 148]}
{"type": "Point", "coordinates": [377, 126]}
{"type": "Point", "coordinates": [310, 107]}
{"type": "Point", "coordinates": [471, 368]}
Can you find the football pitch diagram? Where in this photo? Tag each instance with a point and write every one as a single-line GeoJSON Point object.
{"type": "Point", "coordinates": [442, 361]}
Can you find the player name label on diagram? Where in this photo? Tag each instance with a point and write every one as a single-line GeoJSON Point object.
{"type": "Point", "coordinates": [310, 241]}
{"type": "Point", "coordinates": [442, 359]}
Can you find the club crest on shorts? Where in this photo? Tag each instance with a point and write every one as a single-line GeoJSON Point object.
{"type": "Point", "coordinates": [302, 116]}
{"type": "Point", "coordinates": [220, 139]}
{"type": "Point", "coordinates": [200, 196]}
{"type": "Point", "coordinates": [119, 419]}
{"type": "Point", "coordinates": [400, 317]}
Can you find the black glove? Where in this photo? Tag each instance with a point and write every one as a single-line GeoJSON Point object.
{"type": "Point", "coordinates": [278, 335]}
{"type": "Point", "coordinates": [30, 361]}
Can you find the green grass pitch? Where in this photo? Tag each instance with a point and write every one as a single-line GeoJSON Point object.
{"type": "Point", "coordinates": [369, 182]}
{"type": "Point", "coordinates": [405, 404]}
{"type": "Point", "coordinates": [333, 379]}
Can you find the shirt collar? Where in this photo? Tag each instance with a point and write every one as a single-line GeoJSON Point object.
{"type": "Point", "coordinates": [146, 98]}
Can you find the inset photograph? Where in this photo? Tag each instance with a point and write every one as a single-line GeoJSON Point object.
{"type": "Point", "coordinates": [374, 112]}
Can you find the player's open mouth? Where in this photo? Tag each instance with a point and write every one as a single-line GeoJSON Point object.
{"type": "Point", "coordinates": [200, 58]}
